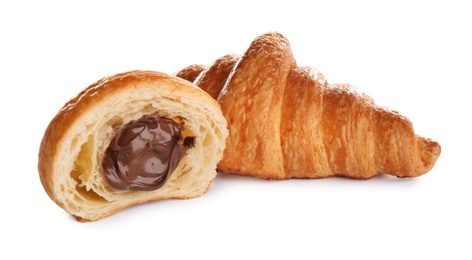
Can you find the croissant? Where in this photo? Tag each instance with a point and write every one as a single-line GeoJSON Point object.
{"type": "Point", "coordinates": [130, 138]}
{"type": "Point", "coordinates": [286, 121]}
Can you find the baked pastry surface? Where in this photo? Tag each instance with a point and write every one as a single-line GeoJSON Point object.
{"type": "Point", "coordinates": [287, 121]}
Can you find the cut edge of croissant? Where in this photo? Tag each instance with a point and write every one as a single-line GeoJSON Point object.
{"type": "Point", "coordinates": [73, 145]}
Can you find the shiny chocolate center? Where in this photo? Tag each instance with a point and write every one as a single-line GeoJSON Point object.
{"type": "Point", "coordinates": [144, 153]}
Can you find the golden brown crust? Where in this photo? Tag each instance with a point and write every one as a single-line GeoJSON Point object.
{"type": "Point", "coordinates": [191, 72]}
{"type": "Point", "coordinates": [398, 150]}
{"type": "Point", "coordinates": [301, 127]}
{"type": "Point", "coordinates": [252, 105]}
{"type": "Point", "coordinates": [76, 138]}
{"type": "Point", "coordinates": [347, 131]}
{"type": "Point", "coordinates": [301, 136]}
{"type": "Point", "coordinates": [213, 78]}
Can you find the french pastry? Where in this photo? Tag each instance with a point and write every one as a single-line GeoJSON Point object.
{"type": "Point", "coordinates": [286, 121]}
{"type": "Point", "coordinates": [130, 138]}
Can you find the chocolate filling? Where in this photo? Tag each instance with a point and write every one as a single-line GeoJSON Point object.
{"type": "Point", "coordinates": [144, 153]}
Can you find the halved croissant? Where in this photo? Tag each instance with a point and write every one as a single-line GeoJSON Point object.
{"type": "Point", "coordinates": [288, 122]}
{"type": "Point", "coordinates": [174, 128]}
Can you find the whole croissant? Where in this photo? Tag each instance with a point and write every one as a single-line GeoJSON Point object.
{"type": "Point", "coordinates": [288, 122]}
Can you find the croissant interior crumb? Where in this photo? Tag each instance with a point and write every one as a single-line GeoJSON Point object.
{"type": "Point", "coordinates": [82, 169]}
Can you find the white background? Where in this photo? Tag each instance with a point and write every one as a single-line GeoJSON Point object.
{"type": "Point", "coordinates": [414, 56]}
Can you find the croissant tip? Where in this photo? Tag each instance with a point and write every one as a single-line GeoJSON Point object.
{"type": "Point", "coordinates": [432, 146]}
{"type": "Point", "coordinates": [429, 152]}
